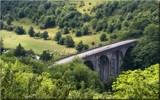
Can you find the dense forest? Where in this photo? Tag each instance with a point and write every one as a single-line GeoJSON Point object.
{"type": "Point", "coordinates": [110, 21]}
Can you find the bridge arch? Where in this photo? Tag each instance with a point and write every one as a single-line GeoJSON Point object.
{"type": "Point", "coordinates": [103, 63]}
{"type": "Point", "coordinates": [117, 60]}
{"type": "Point", "coordinates": [89, 64]}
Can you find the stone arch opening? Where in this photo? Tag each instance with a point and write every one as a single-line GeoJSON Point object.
{"type": "Point", "coordinates": [89, 64]}
{"type": "Point", "coordinates": [117, 62]}
{"type": "Point", "coordinates": [103, 68]}
{"type": "Point", "coordinates": [128, 59]}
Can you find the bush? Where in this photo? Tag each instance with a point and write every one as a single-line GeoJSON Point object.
{"type": "Point", "coordinates": [138, 84]}
{"type": "Point", "coordinates": [78, 33]}
{"type": "Point", "coordinates": [114, 36]}
{"type": "Point", "coordinates": [20, 51]}
{"type": "Point", "coordinates": [69, 41]}
{"type": "Point", "coordinates": [57, 36]}
{"type": "Point", "coordinates": [8, 21]}
{"type": "Point", "coordinates": [31, 31]}
{"type": "Point", "coordinates": [85, 30]}
{"type": "Point", "coordinates": [20, 30]}
{"type": "Point", "coordinates": [38, 34]}
{"type": "Point", "coordinates": [61, 41]}
{"type": "Point", "coordinates": [103, 37]}
{"type": "Point", "coordinates": [45, 56]}
{"type": "Point", "coordinates": [93, 43]}
{"type": "Point", "coordinates": [79, 46]}
{"type": "Point", "coordinates": [85, 46]}
{"type": "Point", "coordinates": [45, 35]}
{"type": "Point", "coordinates": [65, 30]}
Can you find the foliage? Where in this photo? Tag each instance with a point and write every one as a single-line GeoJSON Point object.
{"type": "Point", "coordinates": [19, 30]}
{"type": "Point", "coordinates": [19, 51]}
{"type": "Point", "coordinates": [46, 56]}
{"type": "Point", "coordinates": [61, 82]}
{"type": "Point", "coordinates": [1, 42]}
{"type": "Point", "coordinates": [57, 36]}
{"type": "Point", "coordinates": [65, 30]}
{"type": "Point", "coordinates": [69, 41]}
{"type": "Point", "coordinates": [61, 41]}
{"type": "Point", "coordinates": [8, 21]}
{"type": "Point", "coordinates": [45, 35]}
{"type": "Point", "coordinates": [79, 46]}
{"type": "Point", "coordinates": [103, 37]}
{"type": "Point", "coordinates": [145, 53]}
{"type": "Point", "coordinates": [78, 33]}
{"type": "Point", "coordinates": [85, 30]}
{"type": "Point", "coordinates": [93, 23]}
{"type": "Point", "coordinates": [31, 31]}
{"type": "Point", "coordinates": [93, 43]}
{"type": "Point", "coordinates": [138, 84]}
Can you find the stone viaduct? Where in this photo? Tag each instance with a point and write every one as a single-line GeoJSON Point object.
{"type": "Point", "coordinates": [105, 60]}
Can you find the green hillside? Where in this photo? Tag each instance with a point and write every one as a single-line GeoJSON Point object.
{"type": "Point", "coordinates": [118, 20]}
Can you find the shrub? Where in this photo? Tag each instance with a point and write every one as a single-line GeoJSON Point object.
{"type": "Point", "coordinates": [31, 31]}
{"type": "Point", "coordinates": [85, 30]}
{"type": "Point", "coordinates": [69, 41]}
{"type": "Point", "coordinates": [65, 30]}
{"type": "Point", "coordinates": [61, 41]}
{"type": "Point", "coordinates": [19, 30]}
{"type": "Point", "coordinates": [103, 37]}
{"type": "Point", "coordinates": [57, 36]}
{"type": "Point", "coordinates": [78, 33]}
{"type": "Point", "coordinates": [20, 51]}
{"type": "Point", "coordinates": [138, 84]}
{"type": "Point", "coordinates": [79, 46]}
{"type": "Point", "coordinates": [45, 35]}
{"type": "Point", "coordinates": [93, 43]}
{"type": "Point", "coordinates": [45, 56]}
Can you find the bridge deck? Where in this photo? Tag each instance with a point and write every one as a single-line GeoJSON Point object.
{"type": "Point", "coordinates": [94, 51]}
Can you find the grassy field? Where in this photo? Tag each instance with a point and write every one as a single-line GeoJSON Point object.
{"type": "Point", "coordinates": [26, 23]}
{"type": "Point", "coordinates": [11, 40]}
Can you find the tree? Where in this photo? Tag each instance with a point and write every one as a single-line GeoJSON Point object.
{"type": "Point", "coordinates": [85, 46]}
{"type": "Point", "coordinates": [38, 34]}
{"type": "Point", "coordinates": [85, 17]}
{"type": "Point", "coordinates": [138, 84]}
{"type": "Point", "coordinates": [110, 28]}
{"type": "Point", "coordinates": [103, 37]}
{"type": "Point", "coordinates": [45, 56]}
{"type": "Point", "coordinates": [65, 30]}
{"type": "Point", "coordinates": [61, 41]}
{"type": "Point", "coordinates": [8, 21]}
{"type": "Point", "coordinates": [30, 52]}
{"type": "Point", "coordinates": [114, 36]}
{"type": "Point", "coordinates": [20, 51]}
{"type": "Point", "coordinates": [19, 30]}
{"type": "Point", "coordinates": [79, 46]}
{"type": "Point", "coordinates": [31, 31]}
{"type": "Point", "coordinates": [45, 35]}
{"type": "Point", "coordinates": [69, 41]}
{"type": "Point", "coordinates": [1, 42]}
{"type": "Point", "coordinates": [85, 30]}
{"type": "Point", "coordinates": [93, 43]}
{"type": "Point", "coordinates": [93, 23]}
{"type": "Point", "coordinates": [78, 33]}
{"type": "Point", "coordinates": [57, 36]}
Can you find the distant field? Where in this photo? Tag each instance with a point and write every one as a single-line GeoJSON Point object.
{"type": "Point", "coordinates": [26, 23]}
{"type": "Point", "coordinates": [11, 40]}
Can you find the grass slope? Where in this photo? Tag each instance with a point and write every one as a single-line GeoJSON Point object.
{"type": "Point", "coordinates": [11, 40]}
